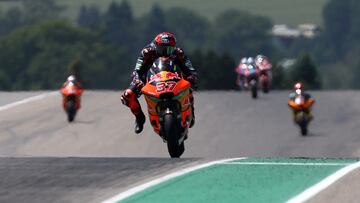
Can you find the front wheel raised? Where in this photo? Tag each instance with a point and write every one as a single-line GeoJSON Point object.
{"type": "Point", "coordinates": [173, 132]}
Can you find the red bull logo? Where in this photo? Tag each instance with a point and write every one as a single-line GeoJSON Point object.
{"type": "Point", "coordinates": [162, 76]}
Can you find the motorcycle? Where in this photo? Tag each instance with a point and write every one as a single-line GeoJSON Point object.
{"type": "Point", "coordinates": [265, 81]}
{"type": "Point", "coordinates": [167, 95]}
{"type": "Point", "coordinates": [302, 115]}
{"type": "Point", "coordinates": [251, 80]}
{"type": "Point", "coordinates": [71, 100]}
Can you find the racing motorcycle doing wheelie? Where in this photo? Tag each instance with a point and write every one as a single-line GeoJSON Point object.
{"type": "Point", "coordinates": [71, 99]}
{"type": "Point", "coordinates": [302, 113]}
{"type": "Point", "coordinates": [167, 95]}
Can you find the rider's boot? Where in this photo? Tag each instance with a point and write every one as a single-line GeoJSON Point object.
{"type": "Point", "coordinates": [139, 122]}
{"type": "Point", "coordinates": [129, 98]}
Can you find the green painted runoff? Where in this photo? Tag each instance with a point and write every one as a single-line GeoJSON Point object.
{"type": "Point", "coordinates": [238, 182]}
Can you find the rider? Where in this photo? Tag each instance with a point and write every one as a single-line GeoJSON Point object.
{"type": "Point", "coordinates": [240, 69]}
{"type": "Point", "coordinates": [162, 46]}
{"type": "Point", "coordinates": [299, 90]}
{"type": "Point", "coordinates": [264, 65]}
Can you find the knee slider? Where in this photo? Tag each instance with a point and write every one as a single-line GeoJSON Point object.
{"type": "Point", "coordinates": [127, 97]}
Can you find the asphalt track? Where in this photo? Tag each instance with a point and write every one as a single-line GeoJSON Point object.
{"type": "Point", "coordinates": [228, 124]}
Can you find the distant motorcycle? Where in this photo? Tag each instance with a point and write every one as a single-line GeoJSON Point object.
{"type": "Point", "coordinates": [251, 78]}
{"type": "Point", "coordinates": [301, 108]}
{"type": "Point", "coordinates": [265, 81]}
{"type": "Point", "coordinates": [167, 95]}
{"type": "Point", "coordinates": [71, 100]}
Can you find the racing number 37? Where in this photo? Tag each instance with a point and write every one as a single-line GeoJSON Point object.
{"type": "Point", "coordinates": [165, 86]}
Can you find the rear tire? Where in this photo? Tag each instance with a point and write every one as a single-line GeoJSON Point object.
{"type": "Point", "coordinates": [173, 132]}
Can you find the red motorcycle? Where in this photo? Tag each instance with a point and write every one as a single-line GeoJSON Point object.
{"type": "Point", "coordinates": [265, 81]}
{"type": "Point", "coordinates": [71, 99]}
{"type": "Point", "coordinates": [167, 95]}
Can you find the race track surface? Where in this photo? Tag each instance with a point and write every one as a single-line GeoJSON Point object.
{"type": "Point", "coordinates": [228, 124]}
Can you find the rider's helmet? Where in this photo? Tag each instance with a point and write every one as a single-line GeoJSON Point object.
{"type": "Point", "coordinates": [298, 87]}
{"type": "Point", "coordinates": [243, 60]}
{"type": "Point", "coordinates": [71, 78]}
{"type": "Point", "coordinates": [250, 60]}
{"type": "Point", "coordinates": [164, 44]}
{"type": "Point", "coordinates": [262, 61]}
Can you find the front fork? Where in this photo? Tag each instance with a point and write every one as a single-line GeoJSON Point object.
{"type": "Point", "coordinates": [178, 117]}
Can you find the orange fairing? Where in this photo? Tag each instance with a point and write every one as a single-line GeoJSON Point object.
{"type": "Point", "coordinates": [302, 105]}
{"type": "Point", "coordinates": [164, 83]}
{"type": "Point", "coordinates": [165, 86]}
{"type": "Point", "coordinates": [72, 90]}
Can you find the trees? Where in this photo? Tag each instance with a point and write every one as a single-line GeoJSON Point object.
{"type": "Point", "coordinates": [192, 29]}
{"type": "Point", "coordinates": [153, 23]}
{"type": "Point", "coordinates": [280, 79]}
{"type": "Point", "coordinates": [119, 22]}
{"type": "Point", "coordinates": [241, 34]}
{"type": "Point", "coordinates": [40, 10]}
{"type": "Point", "coordinates": [37, 57]}
{"type": "Point", "coordinates": [305, 71]}
{"type": "Point", "coordinates": [12, 19]}
{"type": "Point", "coordinates": [215, 71]}
{"type": "Point", "coordinates": [89, 17]}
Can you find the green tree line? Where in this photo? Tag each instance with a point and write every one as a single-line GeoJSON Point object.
{"type": "Point", "coordinates": [38, 44]}
{"type": "Point", "coordinates": [337, 48]}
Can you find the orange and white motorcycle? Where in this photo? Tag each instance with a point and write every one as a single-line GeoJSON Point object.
{"type": "Point", "coordinates": [302, 112]}
{"type": "Point", "coordinates": [71, 99]}
{"type": "Point", "coordinates": [167, 95]}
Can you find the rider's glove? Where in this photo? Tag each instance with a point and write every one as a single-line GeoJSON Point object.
{"type": "Point", "coordinates": [139, 84]}
{"type": "Point", "coordinates": [193, 81]}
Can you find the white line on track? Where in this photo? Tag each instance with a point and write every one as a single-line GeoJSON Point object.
{"type": "Point", "coordinates": [315, 189]}
{"type": "Point", "coordinates": [181, 172]}
{"type": "Point", "coordinates": [285, 164]}
{"type": "Point", "coordinates": [27, 100]}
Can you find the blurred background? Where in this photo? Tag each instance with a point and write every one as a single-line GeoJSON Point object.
{"type": "Point", "coordinates": [315, 41]}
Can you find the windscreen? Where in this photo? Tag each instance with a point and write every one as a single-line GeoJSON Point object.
{"type": "Point", "coordinates": [163, 70]}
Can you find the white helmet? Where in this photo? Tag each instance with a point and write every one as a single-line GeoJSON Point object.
{"type": "Point", "coordinates": [243, 60]}
{"type": "Point", "coordinates": [71, 78]}
{"type": "Point", "coordinates": [250, 60]}
{"type": "Point", "coordinates": [260, 58]}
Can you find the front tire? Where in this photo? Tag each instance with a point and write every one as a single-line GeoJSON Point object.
{"type": "Point", "coordinates": [71, 110]}
{"type": "Point", "coordinates": [304, 130]}
{"type": "Point", "coordinates": [254, 91]}
{"type": "Point", "coordinates": [265, 89]}
{"type": "Point", "coordinates": [302, 121]}
{"type": "Point", "coordinates": [172, 132]}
